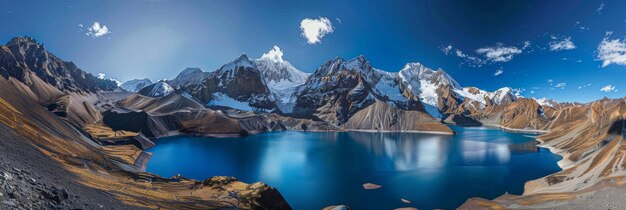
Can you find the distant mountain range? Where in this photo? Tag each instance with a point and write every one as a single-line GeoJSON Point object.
{"type": "Point", "coordinates": [339, 89]}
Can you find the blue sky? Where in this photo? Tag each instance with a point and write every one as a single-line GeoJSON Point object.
{"type": "Point", "coordinates": [531, 42]}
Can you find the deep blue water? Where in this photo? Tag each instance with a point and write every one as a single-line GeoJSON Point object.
{"type": "Point", "coordinates": [315, 170]}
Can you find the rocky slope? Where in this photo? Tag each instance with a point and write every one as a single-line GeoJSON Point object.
{"type": "Point", "coordinates": [590, 138]}
{"type": "Point", "coordinates": [57, 153]}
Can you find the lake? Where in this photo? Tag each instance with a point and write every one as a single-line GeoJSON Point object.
{"type": "Point", "coordinates": [313, 170]}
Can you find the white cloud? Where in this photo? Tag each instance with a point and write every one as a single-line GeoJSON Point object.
{"type": "Point", "coordinates": [599, 10]}
{"type": "Point", "coordinates": [560, 85]}
{"type": "Point", "coordinates": [446, 50]}
{"type": "Point", "coordinates": [612, 51]}
{"type": "Point", "coordinates": [499, 53]}
{"type": "Point", "coordinates": [498, 72]}
{"type": "Point", "coordinates": [315, 29]}
{"type": "Point", "coordinates": [584, 86]}
{"type": "Point", "coordinates": [562, 44]}
{"type": "Point", "coordinates": [526, 45]}
{"type": "Point", "coordinates": [101, 75]}
{"type": "Point", "coordinates": [96, 30]}
{"type": "Point", "coordinates": [275, 54]}
{"type": "Point", "coordinates": [608, 89]}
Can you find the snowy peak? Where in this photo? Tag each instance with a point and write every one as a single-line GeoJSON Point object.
{"type": "Point", "coordinates": [135, 84]}
{"type": "Point", "coordinates": [241, 61]}
{"type": "Point", "coordinates": [425, 74]}
{"type": "Point", "coordinates": [275, 55]}
{"type": "Point", "coordinates": [503, 95]}
{"type": "Point", "coordinates": [547, 102]}
{"type": "Point", "coordinates": [359, 63]}
{"type": "Point", "coordinates": [158, 89]}
{"type": "Point", "coordinates": [278, 73]}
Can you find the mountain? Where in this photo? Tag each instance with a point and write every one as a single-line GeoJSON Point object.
{"type": "Point", "coordinates": [547, 102]}
{"type": "Point", "coordinates": [281, 78]}
{"type": "Point", "coordinates": [158, 89]}
{"type": "Point", "coordinates": [339, 88]}
{"type": "Point", "coordinates": [189, 76]}
{"type": "Point", "coordinates": [23, 58]}
{"type": "Point", "coordinates": [238, 81]}
{"type": "Point", "coordinates": [135, 84]}
{"type": "Point", "coordinates": [424, 83]}
{"type": "Point", "coordinates": [52, 121]}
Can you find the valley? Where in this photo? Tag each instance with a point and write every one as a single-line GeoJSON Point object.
{"type": "Point", "coordinates": [97, 133]}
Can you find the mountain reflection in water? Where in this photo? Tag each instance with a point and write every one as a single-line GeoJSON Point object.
{"type": "Point", "coordinates": [314, 170]}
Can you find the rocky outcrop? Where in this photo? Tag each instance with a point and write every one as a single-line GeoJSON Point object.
{"type": "Point", "coordinates": [382, 117]}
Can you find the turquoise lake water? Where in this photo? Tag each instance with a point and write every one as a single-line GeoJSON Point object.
{"type": "Point", "coordinates": [313, 170]}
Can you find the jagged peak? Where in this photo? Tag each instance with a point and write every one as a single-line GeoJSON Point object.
{"type": "Point", "coordinates": [243, 57]}
{"type": "Point", "coordinates": [189, 70]}
{"type": "Point", "coordinates": [158, 89]}
{"type": "Point", "coordinates": [360, 58]}
{"type": "Point", "coordinates": [22, 40]}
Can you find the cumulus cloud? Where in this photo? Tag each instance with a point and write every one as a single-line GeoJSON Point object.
{"type": "Point", "coordinates": [315, 29]}
{"type": "Point", "coordinates": [486, 55]}
{"type": "Point", "coordinates": [275, 54]}
{"type": "Point", "coordinates": [498, 72]}
{"type": "Point", "coordinates": [612, 51]}
{"type": "Point", "coordinates": [95, 30]}
{"type": "Point", "coordinates": [584, 86]}
{"type": "Point", "coordinates": [101, 75]}
{"type": "Point", "coordinates": [608, 89]}
{"type": "Point", "coordinates": [499, 52]}
{"type": "Point", "coordinates": [561, 44]}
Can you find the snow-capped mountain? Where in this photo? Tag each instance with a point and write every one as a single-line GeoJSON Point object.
{"type": "Point", "coordinates": [340, 88]}
{"type": "Point", "coordinates": [187, 77]}
{"type": "Point", "coordinates": [278, 73]}
{"type": "Point", "coordinates": [239, 80]}
{"type": "Point", "coordinates": [546, 102]}
{"type": "Point", "coordinates": [158, 89]}
{"type": "Point", "coordinates": [503, 95]}
{"type": "Point", "coordinates": [424, 83]}
{"type": "Point", "coordinates": [281, 77]}
{"type": "Point", "coordinates": [135, 84]}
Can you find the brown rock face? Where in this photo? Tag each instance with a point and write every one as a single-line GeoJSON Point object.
{"type": "Point", "coordinates": [381, 116]}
